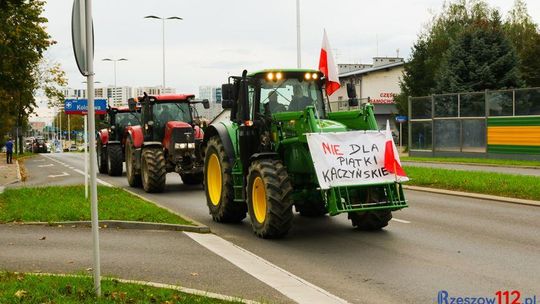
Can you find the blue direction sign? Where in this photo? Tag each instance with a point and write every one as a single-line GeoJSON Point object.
{"type": "Point", "coordinates": [401, 118]}
{"type": "Point", "coordinates": [80, 106]}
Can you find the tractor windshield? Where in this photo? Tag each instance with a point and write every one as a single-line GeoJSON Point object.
{"type": "Point", "coordinates": [171, 111]}
{"type": "Point", "coordinates": [128, 119]}
{"type": "Point", "coordinates": [290, 95]}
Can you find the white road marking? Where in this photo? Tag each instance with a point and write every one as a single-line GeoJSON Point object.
{"type": "Point", "coordinates": [43, 166]}
{"type": "Point", "coordinates": [104, 183]}
{"type": "Point", "coordinates": [400, 221]}
{"type": "Point", "coordinates": [38, 160]}
{"type": "Point", "coordinates": [59, 175]}
{"type": "Point", "coordinates": [293, 287]}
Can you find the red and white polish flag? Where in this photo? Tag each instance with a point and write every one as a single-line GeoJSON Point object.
{"type": "Point", "coordinates": [328, 67]}
{"type": "Point", "coordinates": [392, 163]}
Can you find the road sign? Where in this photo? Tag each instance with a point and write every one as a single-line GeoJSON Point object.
{"type": "Point", "coordinates": [78, 35]}
{"type": "Point", "coordinates": [401, 118]}
{"type": "Point", "coordinates": [80, 106]}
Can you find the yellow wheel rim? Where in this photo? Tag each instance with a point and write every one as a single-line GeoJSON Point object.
{"type": "Point", "coordinates": [258, 197]}
{"type": "Point", "coordinates": [213, 179]}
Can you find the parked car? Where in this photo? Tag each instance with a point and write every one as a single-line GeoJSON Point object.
{"type": "Point", "coordinates": [72, 148]}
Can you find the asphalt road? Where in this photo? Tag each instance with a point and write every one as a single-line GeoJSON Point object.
{"type": "Point", "coordinates": [468, 247]}
{"type": "Point", "coordinates": [497, 169]}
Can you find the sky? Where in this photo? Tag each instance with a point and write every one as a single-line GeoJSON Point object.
{"type": "Point", "coordinates": [219, 38]}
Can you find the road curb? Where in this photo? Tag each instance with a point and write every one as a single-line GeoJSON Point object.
{"type": "Point", "coordinates": [125, 225]}
{"type": "Point", "coordinates": [165, 208]}
{"type": "Point", "coordinates": [475, 195]}
{"type": "Point", "coordinates": [196, 292]}
{"type": "Point", "coordinates": [469, 164]}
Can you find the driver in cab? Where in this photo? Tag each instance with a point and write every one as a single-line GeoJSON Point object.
{"type": "Point", "coordinates": [299, 101]}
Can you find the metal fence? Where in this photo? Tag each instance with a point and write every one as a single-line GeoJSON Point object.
{"type": "Point", "coordinates": [458, 122]}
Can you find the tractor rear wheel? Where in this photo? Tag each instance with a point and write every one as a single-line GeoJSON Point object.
{"type": "Point", "coordinates": [218, 185]}
{"type": "Point", "coordinates": [192, 178]}
{"type": "Point", "coordinates": [269, 198]}
{"type": "Point", "coordinates": [133, 175]}
{"type": "Point", "coordinates": [101, 157]}
{"type": "Point", "coordinates": [153, 169]}
{"type": "Point", "coordinates": [370, 220]}
{"type": "Point", "coordinates": [115, 160]}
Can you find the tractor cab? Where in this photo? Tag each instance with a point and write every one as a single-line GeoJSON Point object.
{"type": "Point", "coordinates": [118, 118]}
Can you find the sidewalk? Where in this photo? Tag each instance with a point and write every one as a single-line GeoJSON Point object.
{"type": "Point", "coordinates": [8, 173]}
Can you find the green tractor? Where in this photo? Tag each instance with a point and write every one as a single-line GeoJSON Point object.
{"type": "Point", "coordinates": [257, 159]}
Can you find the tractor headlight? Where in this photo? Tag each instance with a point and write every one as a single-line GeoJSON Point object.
{"type": "Point", "coordinates": [113, 127]}
{"type": "Point", "coordinates": [151, 123]}
{"type": "Point", "coordinates": [180, 146]}
{"type": "Point", "coordinates": [191, 145]}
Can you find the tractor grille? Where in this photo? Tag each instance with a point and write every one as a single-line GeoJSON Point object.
{"type": "Point", "coordinates": [182, 135]}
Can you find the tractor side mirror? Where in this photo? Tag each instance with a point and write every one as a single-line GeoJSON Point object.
{"type": "Point", "coordinates": [206, 104]}
{"type": "Point", "coordinates": [227, 95]}
{"type": "Point", "coordinates": [351, 93]}
{"type": "Point", "coordinates": [132, 104]}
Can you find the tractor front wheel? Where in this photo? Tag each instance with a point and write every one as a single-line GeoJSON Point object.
{"type": "Point", "coordinates": [115, 160]}
{"type": "Point", "coordinates": [101, 157]}
{"type": "Point", "coordinates": [370, 220]}
{"type": "Point", "coordinates": [269, 198]}
{"type": "Point", "coordinates": [153, 169]}
{"type": "Point", "coordinates": [218, 185]}
{"type": "Point", "coordinates": [133, 175]}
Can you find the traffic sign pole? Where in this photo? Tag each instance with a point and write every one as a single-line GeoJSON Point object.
{"type": "Point", "coordinates": [86, 156]}
{"type": "Point", "coordinates": [92, 144]}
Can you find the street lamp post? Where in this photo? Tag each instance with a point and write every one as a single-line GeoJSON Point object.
{"type": "Point", "coordinates": [298, 42]}
{"type": "Point", "coordinates": [114, 61]}
{"type": "Point", "coordinates": [163, 34]}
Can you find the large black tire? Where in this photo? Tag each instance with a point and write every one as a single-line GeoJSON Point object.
{"type": "Point", "coordinates": [370, 220]}
{"type": "Point", "coordinates": [192, 178]}
{"type": "Point", "coordinates": [218, 185]}
{"type": "Point", "coordinates": [101, 157]}
{"type": "Point", "coordinates": [133, 175]}
{"type": "Point", "coordinates": [153, 169]}
{"type": "Point", "coordinates": [313, 207]}
{"type": "Point", "coordinates": [115, 160]}
{"type": "Point", "coordinates": [269, 198]}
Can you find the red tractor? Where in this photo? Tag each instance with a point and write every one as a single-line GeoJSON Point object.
{"type": "Point", "coordinates": [111, 140]}
{"type": "Point", "coordinates": [168, 140]}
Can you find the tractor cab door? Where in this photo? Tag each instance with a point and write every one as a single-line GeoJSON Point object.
{"type": "Point", "coordinates": [248, 131]}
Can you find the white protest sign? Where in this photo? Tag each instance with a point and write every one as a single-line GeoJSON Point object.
{"type": "Point", "coordinates": [350, 158]}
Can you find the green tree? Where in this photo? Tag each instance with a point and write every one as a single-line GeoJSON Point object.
{"type": "Point", "coordinates": [525, 36]}
{"type": "Point", "coordinates": [427, 54]}
{"type": "Point", "coordinates": [23, 40]}
{"type": "Point", "coordinates": [480, 58]}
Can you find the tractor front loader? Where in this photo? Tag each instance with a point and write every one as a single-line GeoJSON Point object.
{"type": "Point", "coordinates": [258, 162]}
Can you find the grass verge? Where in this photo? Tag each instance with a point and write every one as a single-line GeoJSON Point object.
{"type": "Point", "coordinates": [67, 203]}
{"type": "Point", "coordinates": [482, 161]}
{"type": "Point", "coordinates": [25, 288]}
{"type": "Point", "coordinates": [507, 185]}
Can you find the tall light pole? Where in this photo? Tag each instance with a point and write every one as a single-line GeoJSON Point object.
{"type": "Point", "coordinates": [163, 33]}
{"type": "Point", "coordinates": [114, 61]}
{"type": "Point", "coordinates": [298, 43]}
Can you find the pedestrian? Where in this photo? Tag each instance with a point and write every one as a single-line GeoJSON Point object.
{"type": "Point", "coordinates": [9, 151]}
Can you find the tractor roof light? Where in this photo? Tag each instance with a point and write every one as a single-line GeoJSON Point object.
{"type": "Point", "coordinates": [314, 76]}
{"type": "Point", "coordinates": [279, 75]}
{"type": "Point", "coordinates": [270, 76]}
{"type": "Point", "coordinates": [307, 76]}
